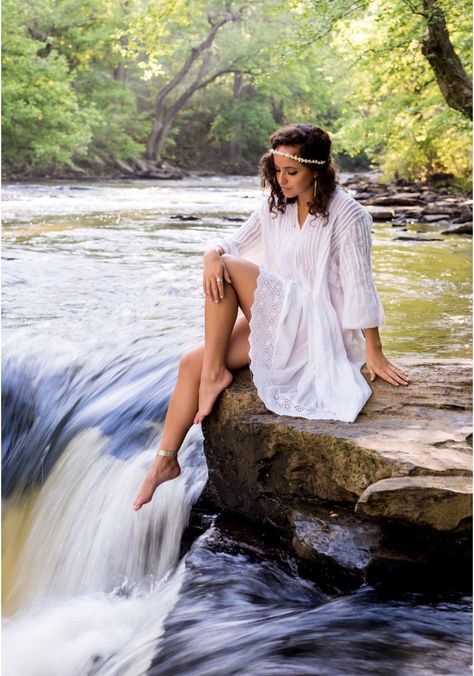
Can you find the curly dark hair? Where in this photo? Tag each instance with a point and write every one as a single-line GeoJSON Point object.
{"type": "Point", "coordinates": [311, 143]}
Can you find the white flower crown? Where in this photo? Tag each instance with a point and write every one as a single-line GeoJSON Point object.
{"type": "Point", "coordinates": [295, 157]}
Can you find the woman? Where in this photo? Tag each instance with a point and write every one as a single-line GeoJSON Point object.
{"type": "Point", "coordinates": [299, 270]}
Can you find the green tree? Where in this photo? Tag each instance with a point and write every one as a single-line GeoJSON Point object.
{"type": "Point", "coordinates": [206, 81]}
{"type": "Point", "coordinates": [43, 122]}
{"type": "Point", "coordinates": [429, 27]}
{"type": "Point", "coordinates": [64, 86]}
{"type": "Point", "coordinates": [229, 123]}
{"type": "Point", "coordinates": [391, 105]}
{"type": "Point", "coordinates": [241, 45]}
{"type": "Point", "coordinates": [187, 62]}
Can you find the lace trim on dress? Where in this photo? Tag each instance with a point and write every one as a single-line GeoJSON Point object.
{"type": "Point", "coordinates": [266, 315]}
{"type": "Point", "coordinates": [266, 311]}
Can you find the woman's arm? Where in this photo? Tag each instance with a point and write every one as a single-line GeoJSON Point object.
{"type": "Point", "coordinates": [377, 362]}
{"type": "Point", "coordinates": [361, 305]}
{"type": "Point", "coordinates": [246, 242]}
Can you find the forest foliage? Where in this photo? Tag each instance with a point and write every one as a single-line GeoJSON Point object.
{"type": "Point", "coordinates": [203, 83]}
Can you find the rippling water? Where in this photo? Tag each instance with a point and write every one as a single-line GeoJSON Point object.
{"type": "Point", "coordinates": [79, 259]}
{"type": "Point", "coordinates": [101, 294]}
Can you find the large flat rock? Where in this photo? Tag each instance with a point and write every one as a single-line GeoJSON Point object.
{"type": "Point", "coordinates": [259, 462]}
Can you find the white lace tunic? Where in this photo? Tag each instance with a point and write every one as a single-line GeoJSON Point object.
{"type": "Point", "coordinates": [314, 295]}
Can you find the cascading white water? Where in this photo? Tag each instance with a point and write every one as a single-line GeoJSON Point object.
{"type": "Point", "coordinates": [86, 634]}
{"type": "Point", "coordinates": [92, 572]}
{"type": "Point", "coordinates": [86, 538]}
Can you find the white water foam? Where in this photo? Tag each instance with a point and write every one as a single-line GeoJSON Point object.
{"type": "Point", "coordinates": [85, 536]}
{"type": "Point", "coordinates": [23, 203]}
{"type": "Point", "coordinates": [93, 580]}
{"type": "Point", "coordinates": [86, 634]}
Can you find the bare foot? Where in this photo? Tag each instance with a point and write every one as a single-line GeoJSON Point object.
{"type": "Point", "coordinates": [163, 469]}
{"type": "Point", "coordinates": [209, 390]}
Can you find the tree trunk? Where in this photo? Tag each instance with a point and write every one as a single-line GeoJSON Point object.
{"type": "Point", "coordinates": [154, 140]}
{"type": "Point", "coordinates": [120, 72]}
{"type": "Point", "coordinates": [234, 151]}
{"type": "Point", "coordinates": [277, 111]}
{"type": "Point", "coordinates": [161, 138]}
{"type": "Point", "coordinates": [164, 115]}
{"type": "Point", "coordinates": [437, 48]}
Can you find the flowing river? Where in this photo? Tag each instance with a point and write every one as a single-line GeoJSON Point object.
{"type": "Point", "coordinates": [101, 295]}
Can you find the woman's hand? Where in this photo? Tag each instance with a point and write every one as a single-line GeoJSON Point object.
{"type": "Point", "coordinates": [377, 362]}
{"type": "Point", "coordinates": [214, 274]}
{"type": "Point", "coordinates": [378, 365]}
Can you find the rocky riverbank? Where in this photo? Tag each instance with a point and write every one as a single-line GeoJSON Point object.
{"type": "Point", "coordinates": [388, 494]}
{"type": "Point", "coordinates": [430, 204]}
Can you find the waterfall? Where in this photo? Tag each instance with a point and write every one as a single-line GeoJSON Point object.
{"type": "Point", "coordinates": [84, 574]}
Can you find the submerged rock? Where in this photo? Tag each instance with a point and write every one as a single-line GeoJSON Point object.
{"type": "Point", "coordinates": [460, 229]}
{"type": "Point", "coordinates": [184, 217]}
{"type": "Point", "coordinates": [338, 547]}
{"type": "Point", "coordinates": [403, 238]}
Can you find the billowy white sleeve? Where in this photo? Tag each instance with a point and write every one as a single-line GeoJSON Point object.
{"type": "Point", "coordinates": [246, 242]}
{"type": "Point", "coordinates": [362, 308]}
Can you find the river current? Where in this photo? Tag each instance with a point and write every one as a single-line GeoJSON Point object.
{"type": "Point", "coordinates": [101, 295]}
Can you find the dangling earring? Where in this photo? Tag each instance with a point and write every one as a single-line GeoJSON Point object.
{"type": "Point", "coordinates": [315, 187]}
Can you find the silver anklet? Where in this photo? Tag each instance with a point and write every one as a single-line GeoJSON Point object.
{"type": "Point", "coordinates": [168, 454]}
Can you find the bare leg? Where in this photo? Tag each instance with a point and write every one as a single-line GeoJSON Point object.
{"type": "Point", "coordinates": [219, 319]}
{"type": "Point", "coordinates": [183, 406]}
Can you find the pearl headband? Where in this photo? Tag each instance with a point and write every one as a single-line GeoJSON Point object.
{"type": "Point", "coordinates": [295, 157]}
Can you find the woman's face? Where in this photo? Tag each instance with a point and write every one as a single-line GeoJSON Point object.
{"type": "Point", "coordinates": [294, 178]}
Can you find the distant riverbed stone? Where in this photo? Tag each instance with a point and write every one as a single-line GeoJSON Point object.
{"type": "Point", "coordinates": [433, 218]}
{"type": "Point", "coordinates": [397, 199]}
{"type": "Point", "coordinates": [409, 212]}
{"type": "Point", "coordinates": [380, 213]}
{"type": "Point", "coordinates": [416, 201]}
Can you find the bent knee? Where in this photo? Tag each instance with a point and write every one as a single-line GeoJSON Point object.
{"type": "Point", "coordinates": [231, 260]}
{"type": "Point", "coordinates": [237, 265]}
{"type": "Point", "coordinates": [191, 362]}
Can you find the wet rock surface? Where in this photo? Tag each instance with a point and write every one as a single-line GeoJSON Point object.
{"type": "Point", "coordinates": [355, 498]}
{"type": "Point", "coordinates": [244, 609]}
{"type": "Point", "coordinates": [460, 229]}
